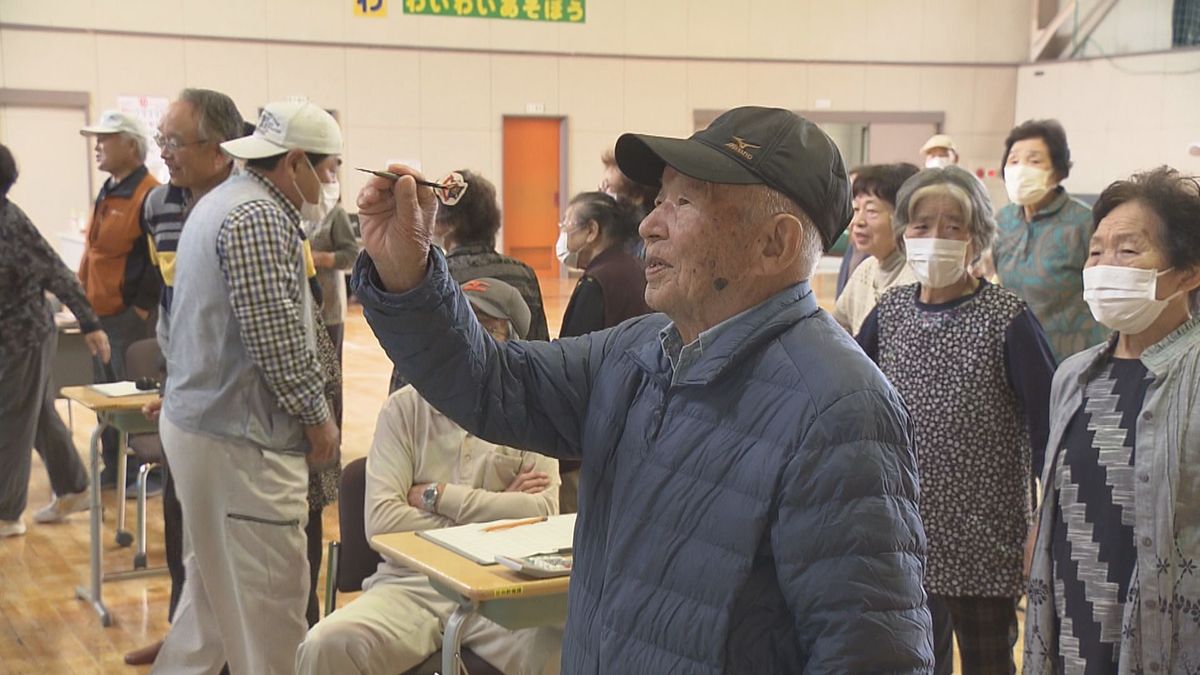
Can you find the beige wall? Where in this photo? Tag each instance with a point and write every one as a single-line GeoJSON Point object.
{"type": "Point", "coordinates": [1121, 115]}
{"type": "Point", "coordinates": [884, 30]}
{"type": "Point", "coordinates": [444, 105]}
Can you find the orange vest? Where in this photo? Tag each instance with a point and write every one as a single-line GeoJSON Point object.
{"type": "Point", "coordinates": [115, 228]}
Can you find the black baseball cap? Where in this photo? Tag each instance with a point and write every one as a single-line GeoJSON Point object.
{"type": "Point", "coordinates": [753, 146]}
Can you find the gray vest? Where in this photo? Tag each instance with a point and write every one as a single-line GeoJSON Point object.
{"type": "Point", "coordinates": [213, 386]}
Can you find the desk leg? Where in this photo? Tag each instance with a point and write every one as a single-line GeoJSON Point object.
{"type": "Point", "coordinates": [93, 595]}
{"type": "Point", "coordinates": [452, 639]}
{"type": "Point", "coordinates": [124, 538]}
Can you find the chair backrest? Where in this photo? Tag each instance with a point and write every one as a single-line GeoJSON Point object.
{"type": "Point", "coordinates": [144, 359]}
{"type": "Point", "coordinates": [357, 560]}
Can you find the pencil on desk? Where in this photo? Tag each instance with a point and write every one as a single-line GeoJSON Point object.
{"type": "Point", "coordinates": [515, 523]}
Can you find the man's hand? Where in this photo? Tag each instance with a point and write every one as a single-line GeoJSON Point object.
{"type": "Point", "coordinates": [396, 219]}
{"type": "Point", "coordinates": [97, 344]}
{"type": "Point", "coordinates": [153, 409]}
{"type": "Point", "coordinates": [324, 259]}
{"type": "Point", "coordinates": [529, 482]}
{"type": "Point", "coordinates": [324, 439]}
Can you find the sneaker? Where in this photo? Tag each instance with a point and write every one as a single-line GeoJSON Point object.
{"type": "Point", "coordinates": [58, 510]}
{"type": "Point", "coordinates": [12, 528]}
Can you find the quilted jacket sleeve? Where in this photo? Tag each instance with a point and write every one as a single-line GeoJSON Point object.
{"type": "Point", "coordinates": [529, 395]}
{"type": "Point", "coordinates": [849, 544]}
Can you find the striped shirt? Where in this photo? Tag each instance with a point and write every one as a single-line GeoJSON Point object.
{"type": "Point", "coordinates": [163, 214]}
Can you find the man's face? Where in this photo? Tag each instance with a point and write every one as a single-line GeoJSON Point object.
{"type": "Point", "coordinates": [193, 161]}
{"type": "Point", "coordinates": [115, 153]}
{"type": "Point", "coordinates": [697, 250]}
{"type": "Point", "coordinates": [497, 328]}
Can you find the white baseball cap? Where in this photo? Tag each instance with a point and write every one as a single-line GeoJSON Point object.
{"type": "Point", "coordinates": [116, 122]}
{"type": "Point", "coordinates": [289, 125]}
{"type": "Point", "coordinates": [939, 141]}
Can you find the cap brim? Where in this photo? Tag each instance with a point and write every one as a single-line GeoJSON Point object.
{"type": "Point", "coordinates": [98, 131]}
{"type": "Point", "coordinates": [491, 309]}
{"type": "Point", "coordinates": [643, 158]}
{"type": "Point", "coordinates": [252, 147]}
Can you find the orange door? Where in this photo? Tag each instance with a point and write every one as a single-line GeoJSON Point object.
{"type": "Point", "coordinates": [532, 202]}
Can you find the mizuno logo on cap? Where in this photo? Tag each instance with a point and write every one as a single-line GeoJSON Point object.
{"type": "Point", "coordinates": [742, 147]}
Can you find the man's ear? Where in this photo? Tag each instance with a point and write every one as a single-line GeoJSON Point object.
{"type": "Point", "coordinates": [293, 159]}
{"type": "Point", "coordinates": [782, 242]}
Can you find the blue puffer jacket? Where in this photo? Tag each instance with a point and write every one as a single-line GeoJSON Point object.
{"type": "Point", "coordinates": [759, 516]}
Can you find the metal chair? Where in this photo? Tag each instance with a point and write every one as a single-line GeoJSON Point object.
{"type": "Point", "coordinates": [142, 359]}
{"type": "Point", "coordinates": [352, 560]}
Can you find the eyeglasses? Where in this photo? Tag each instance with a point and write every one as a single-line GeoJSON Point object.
{"type": "Point", "coordinates": [174, 144]}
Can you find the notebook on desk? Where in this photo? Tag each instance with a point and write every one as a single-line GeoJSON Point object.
{"type": "Point", "coordinates": [476, 542]}
{"type": "Point", "coordinates": [118, 389]}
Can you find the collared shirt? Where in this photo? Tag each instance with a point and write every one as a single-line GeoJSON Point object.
{"type": "Point", "coordinates": [682, 356]}
{"type": "Point", "coordinates": [1042, 262]}
{"type": "Point", "coordinates": [255, 245]}
{"type": "Point", "coordinates": [1159, 632]}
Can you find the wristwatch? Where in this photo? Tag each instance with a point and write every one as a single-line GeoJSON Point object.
{"type": "Point", "coordinates": [429, 497]}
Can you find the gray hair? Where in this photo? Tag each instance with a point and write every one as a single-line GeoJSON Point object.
{"type": "Point", "coordinates": [964, 188]}
{"type": "Point", "coordinates": [760, 202]}
{"type": "Point", "coordinates": [218, 117]}
{"type": "Point", "coordinates": [142, 143]}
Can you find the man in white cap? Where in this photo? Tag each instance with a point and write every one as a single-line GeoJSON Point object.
{"type": "Point", "coordinates": [424, 471]}
{"type": "Point", "coordinates": [939, 152]}
{"type": "Point", "coordinates": [243, 405]}
{"type": "Point", "coordinates": [121, 283]}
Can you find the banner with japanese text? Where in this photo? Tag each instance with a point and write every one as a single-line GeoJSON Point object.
{"type": "Point", "coordinates": [561, 11]}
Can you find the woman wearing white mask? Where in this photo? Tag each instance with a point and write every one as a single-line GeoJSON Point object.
{"type": "Point", "coordinates": [334, 249]}
{"type": "Point", "coordinates": [974, 368]}
{"type": "Point", "coordinates": [1042, 237]}
{"type": "Point", "coordinates": [594, 236]}
{"type": "Point", "coordinates": [1114, 586]}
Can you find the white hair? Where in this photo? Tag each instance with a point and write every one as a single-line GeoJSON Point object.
{"type": "Point", "coordinates": [142, 143]}
{"type": "Point", "coordinates": [760, 202]}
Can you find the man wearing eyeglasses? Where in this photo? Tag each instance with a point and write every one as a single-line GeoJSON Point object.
{"type": "Point", "coordinates": [116, 273]}
{"type": "Point", "coordinates": [189, 140]}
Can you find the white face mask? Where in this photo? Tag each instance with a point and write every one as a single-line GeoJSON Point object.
{"type": "Point", "coordinates": [1124, 299]}
{"type": "Point", "coordinates": [330, 194]}
{"type": "Point", "coordinates": [1026, 184]}
{"type": "Point", "coordinates": [565, 255]}
{"type": "Point", "coordinates": [937, 162]}
{"type": "Point", "coordinates": [937, 263]}
{"type": "Point", "coordinates": [309, 212]}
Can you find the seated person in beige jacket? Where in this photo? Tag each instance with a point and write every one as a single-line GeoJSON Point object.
{"type": "Point", "coordinates": [426, 472]}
